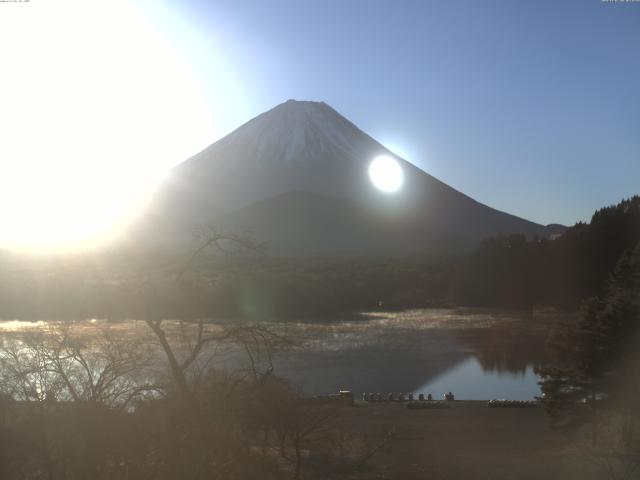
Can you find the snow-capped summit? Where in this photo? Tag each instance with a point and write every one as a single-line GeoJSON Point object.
{"type": "Point", "coordinates": [297, 176]}
{"type": "Point", "coordinates": [298, 145]}
{"type": "Point", "coordinates": [289, 133]}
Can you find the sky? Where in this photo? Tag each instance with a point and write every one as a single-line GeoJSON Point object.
{"type": "Point", "coordinates": [531, 107]}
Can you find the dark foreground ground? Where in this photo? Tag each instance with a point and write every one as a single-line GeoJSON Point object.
{"type": "Point", "coordinates": [470, 441]}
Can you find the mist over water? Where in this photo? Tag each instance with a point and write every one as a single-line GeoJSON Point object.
{"type": "Point", "coordinates": [477, 354]}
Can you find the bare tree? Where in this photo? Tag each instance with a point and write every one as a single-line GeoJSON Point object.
{"type": "Point", "coordinates": [61, 363]}
{"type": "Point", "coordinates": [72, 391]}
{"type": "Point", "coordinates": [190, 279]}
{"type": "Point", "coordinates": [310, 424]}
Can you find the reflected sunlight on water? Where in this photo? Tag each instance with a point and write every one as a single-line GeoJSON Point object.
{"type": "Point", "coordinates": [16, 325]}
{"type": "Point", "coordinates": [477, 354]}
{"type": "Point", "coordinates": [469, 380]}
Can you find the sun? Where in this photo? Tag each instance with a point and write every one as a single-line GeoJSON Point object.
{"type": "Point", "coordinates": [97, 104]}
{"type": "Point", "coordinates": [386, 174]}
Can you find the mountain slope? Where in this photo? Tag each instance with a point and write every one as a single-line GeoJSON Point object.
{"type": "Point", "coordinates": [304, 223]}
{"type": "Point", "coordinates": [302, 167]}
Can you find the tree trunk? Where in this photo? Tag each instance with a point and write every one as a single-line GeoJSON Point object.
{"type": "Point", "coordinates": [298, 459]}
{"type": "Point", "coordinates": [265, 441]}
{"type": "Point", "coordinates": [594, 433]}
{"type": "Point", "coordinates": [282, 439]}
{"type": "Point", "coordinates": [176, 371]}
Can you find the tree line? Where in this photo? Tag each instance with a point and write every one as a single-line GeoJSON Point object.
{"type": "Point", "coordinates": [505, 271]}
{"type": "Point", "coordinates": [149, 400]}
{"type": "Point", "coordinates": [514, 271]}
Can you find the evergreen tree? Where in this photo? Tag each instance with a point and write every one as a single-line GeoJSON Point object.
{"type": "Point", "coordinates": [597, 370]}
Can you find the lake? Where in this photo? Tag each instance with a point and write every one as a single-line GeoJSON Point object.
{"type": "Point", "coordinates": [476, 354]}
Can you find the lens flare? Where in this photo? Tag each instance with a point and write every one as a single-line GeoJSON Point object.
{"type": "Point", "coordinates": [97, 104]}
{"type": "Point", "coordinates": [386, 174]}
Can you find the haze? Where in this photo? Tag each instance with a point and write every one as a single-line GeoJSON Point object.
{"type": "Point", "coordinates": [510, 104]}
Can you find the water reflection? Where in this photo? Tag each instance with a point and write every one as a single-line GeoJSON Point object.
{"type": "Point", "coordinates": [470, 380]}
{"type": "Point", "coordinates": [17, 325]}
{"type": "Point", "coordinates": [507, 347]}
{"type": "Point", "coordinates": [477, 354]}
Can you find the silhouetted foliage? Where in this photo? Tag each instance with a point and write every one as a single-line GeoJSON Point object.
{"type": "Point", "coordinates": [505, 271]}
{"type": "Point", "coordinates": [69, 410]}
{"type": "Point", "coordinates": [514, 271]}
{"type": "Point", "coordinates": [596, 375]}
{"type": "Point", "coordinates": [85, 400]}
{"type": "Point", "coordinates": [255, 287]}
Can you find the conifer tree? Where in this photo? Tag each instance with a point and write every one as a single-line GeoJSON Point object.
{"type": "Point", "coordinates": [597, 370]}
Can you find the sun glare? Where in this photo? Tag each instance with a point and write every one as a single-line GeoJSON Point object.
{"type": "Point", "coordinates": [96, 105]}
{"type": "Point", "coordinates": [386, 174]}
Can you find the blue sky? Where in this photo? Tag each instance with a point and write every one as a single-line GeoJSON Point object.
{"type": "Point", "coordinates": [532, 107]}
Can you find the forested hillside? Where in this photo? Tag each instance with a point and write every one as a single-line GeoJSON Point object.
{"type": "Point", "coordinates": [514, 271]}
{"type": "Point", "coordinates": [509, 271]}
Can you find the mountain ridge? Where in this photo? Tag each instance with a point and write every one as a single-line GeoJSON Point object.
{"type": "Point", "coordinates": [303, 146]}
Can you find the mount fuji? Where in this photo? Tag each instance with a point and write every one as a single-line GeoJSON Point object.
{"type": "Point", "coordinates": [296, 176]}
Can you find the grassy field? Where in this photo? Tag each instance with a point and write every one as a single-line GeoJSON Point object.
{"type": "Point", "coordinates": [469, 441]}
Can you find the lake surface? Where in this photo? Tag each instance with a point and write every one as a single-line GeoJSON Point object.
{"type": "Point", "coordinates": [476, 354]}
{"type": "Point", "coordinates": [469, 380]}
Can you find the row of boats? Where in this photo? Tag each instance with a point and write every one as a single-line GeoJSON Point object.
{"type": "Point", "coordinates": [422, 402]}
{"type": "Point", "coordinates": [401, 397]}
{"type": "Point", "coordinates": [503, 403]}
